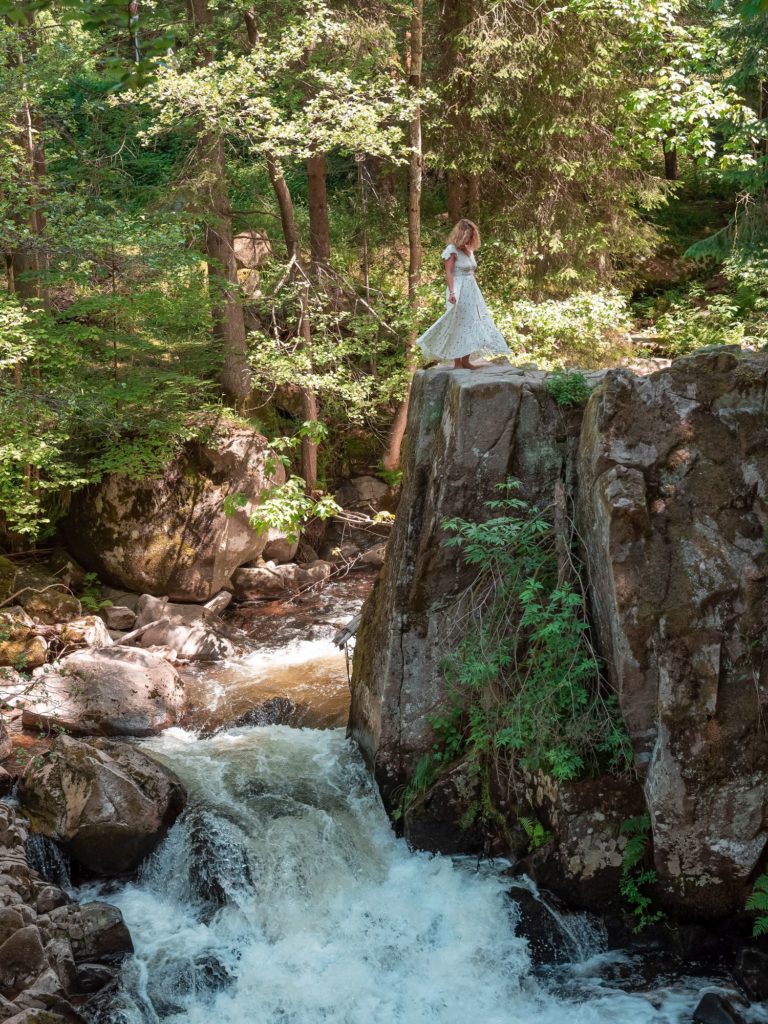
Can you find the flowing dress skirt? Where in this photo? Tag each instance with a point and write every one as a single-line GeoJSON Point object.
{"type": "Point", "coordinates": [466, 327]}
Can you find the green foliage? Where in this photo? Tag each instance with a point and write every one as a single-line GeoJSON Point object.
{"type": "Point", "coordinates": [285, 507]}
{"type": "Point", "coordinates": [569, 388]}
{"type": "Point", "coordinates": [90, 594]}
{"type": "Point", "coordinates": [586, 329]}
{"type": "Point", "coordinates": [538, 836]}
{"type": "Point", "coordinates": [635, 878]}
{"type": "Point", "coordinates": [525, 678]}
{"type": "Point", "coordinates": [758, 902]}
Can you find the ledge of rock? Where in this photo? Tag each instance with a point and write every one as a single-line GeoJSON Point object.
{"type": "Point", "coordinates": [169, 535]}
{"type": "Point", "coordinates": [668, 477]}
{"type": "Point", "coordinates": [111, 691]}
{"type": "Point", "coordinates": [51, 950]}
{"type": "Point", "coordinates": [107, 803]}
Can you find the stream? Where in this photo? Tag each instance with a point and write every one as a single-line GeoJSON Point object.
{"type": "Point", "coordinates": [282, 895]}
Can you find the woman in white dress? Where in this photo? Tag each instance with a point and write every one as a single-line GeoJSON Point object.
{"type": "Point", "coordinates": [466, 326]}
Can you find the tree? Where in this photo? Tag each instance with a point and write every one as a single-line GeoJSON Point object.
{"type": "Point", "coordinates": [228, 319]}
{"type": "Point", "coordinates": [391, 460]}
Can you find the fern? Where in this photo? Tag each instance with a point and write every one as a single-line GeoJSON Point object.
{"type": "Point", "coordinates": [758, 901]}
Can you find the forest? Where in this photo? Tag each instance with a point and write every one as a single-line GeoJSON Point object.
{"type": "Point", "coordinates": [221, 209]}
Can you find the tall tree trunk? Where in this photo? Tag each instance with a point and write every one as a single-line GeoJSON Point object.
{"type": "Point", "coordinates": [309, 403]}
{"type": "Point", "coordinates": [462, 187]}
{"type": "Point", "coordinates": [391, 458]}
{"type": "Point", "coordinates": [29, 263]}
{"type": "Point", "coordinates": [670, 162]}
{"type": "Point", "coordinates": [228, 318]}
{"type": "Point", "coordinates": [319, 230]}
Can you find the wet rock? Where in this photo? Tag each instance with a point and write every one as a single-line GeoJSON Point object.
{"type": "Point", "coordinates": [107, 803]}
{"type": "Point", "coordinates": [93, 977]}
{"type": "Point", "coordinates": [538, 925]}
{"type": "Point", "coordinates": [170, 535]}
{"type": "Point", "coordinates": [96, 931]}
{"type": "Point", "coordinates": [716, 1009]}
{"type": "Point", "coordinates": [218, 863]}
{"type": "Point", "coordinates": [46, 858]}
{"type": "Point", "coordinates": [113, 691]}
{"type": "Point", "coordinates": [272, 711]}
{"type": "Point", "coordinates": [752, 972]}
{"type": "Point", "coordinates": [119, 617]}
{"type": "Point", "coordinates": [446, 818]}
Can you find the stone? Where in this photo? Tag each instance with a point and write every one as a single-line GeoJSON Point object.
{"type": "Point", "coordinates": [668, 479]}
{"type": "Point", "coordinates": [364, 493]}
{"type": "Point", "coordinates": [20, 647]}
{"type": "Point", "coordinates": [217, 604]}
{"type": "Point", "coordinates": [374, 557]}
{"type": "Point", "coordinates": [112, 691]}
{"type": "Point", "coordinates": [6, 743]}
{"type": "Point", "coordinates": [278, 548]}
{"type": "Point", "coordinates": [93, 977]}
{"type": "Point", "coordinates": [714, 1008]}
{"type": "Point", "coordinates": [251, 249]}
{"type": "Point", "coordinates": [182, 632]}
{"type": "Point", "coordinates": [539, 922]}
{"type": "Point", "coordinates": [466, 433]}
{"type": "Point", "coordinates": [107, 803]}
{"type": "Point", "coordinates": [22, 958]}
{"type": "Point", "coordinates": [278, 581]}
{"type": "Point", "coordinates": [96, 931]}
{"type": "Point", "coordinates": [169, 535]}
{"type": "Point", "coordinates": [53, 604]}
{"type": "Point", "coordinates": [435, 821]}
{"type": "Point", "coordinates": [37, 1016]}
{"type": "Point", "coordinates": [119, 617]}
{"type": "Point", "coordinates": [752, 972]}
{"type": "Point", "coordinates": [88, 631]}
{"type": "Point", "coordinates": [672, 507]}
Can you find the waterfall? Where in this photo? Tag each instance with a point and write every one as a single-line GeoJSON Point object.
{"type": "Point", "coordinates": [47, 858]}
{"type": "Point", "coordinates": [282, 896]}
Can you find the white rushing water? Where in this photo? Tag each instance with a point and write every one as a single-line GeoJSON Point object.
{"type": "Point", "coordinates": [283, 897]}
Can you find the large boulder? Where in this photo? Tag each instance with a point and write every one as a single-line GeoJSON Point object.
{"type": "Point", "coordinates": [107, 803]}
{"type": "Point", "coordinates": [673, 498]}
{"type": "Point", "coordinates": [668, 479]}
{"type": "Point", "coordinates": [111, 691]}
{"type": "Point", "coordinates": [278, 581]}
{"type": "Point", "coordinates": [169, 534]}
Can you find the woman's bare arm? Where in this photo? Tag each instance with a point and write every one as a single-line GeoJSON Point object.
{"type": "Point", "coordinates": [449, 267]}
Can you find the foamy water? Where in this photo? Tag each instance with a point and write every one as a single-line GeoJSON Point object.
{"type": "Point", "coordinates": [283, 897]}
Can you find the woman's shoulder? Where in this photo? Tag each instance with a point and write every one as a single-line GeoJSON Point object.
{"type": "Point", "coordinates": [448, 251]}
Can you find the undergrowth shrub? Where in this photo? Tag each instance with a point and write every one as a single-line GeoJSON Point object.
{"type": "Point", "coordinates": [525, 688]}
{"type": "Point", "coordinates": [587, 329]}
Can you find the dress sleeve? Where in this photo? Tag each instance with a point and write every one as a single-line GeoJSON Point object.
{"type": "Point", "coordinates": [448, 251]}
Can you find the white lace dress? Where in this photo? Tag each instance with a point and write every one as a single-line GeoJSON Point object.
{"type": "Point", "coordinates": [466, 327]}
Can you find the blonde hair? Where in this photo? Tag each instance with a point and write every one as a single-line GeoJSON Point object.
{"type": "Point", "coordinates": [464, 233]}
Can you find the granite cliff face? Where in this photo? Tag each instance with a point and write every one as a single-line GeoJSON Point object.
{"type": "Point", "coordinates": [667, 478]}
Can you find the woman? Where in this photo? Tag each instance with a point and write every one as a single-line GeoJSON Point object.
{"type": "Point", "coordinates": [466, 326]}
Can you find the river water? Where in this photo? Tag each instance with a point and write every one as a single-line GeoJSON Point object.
{"type": "Point", "coordinates": [282, 895]}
